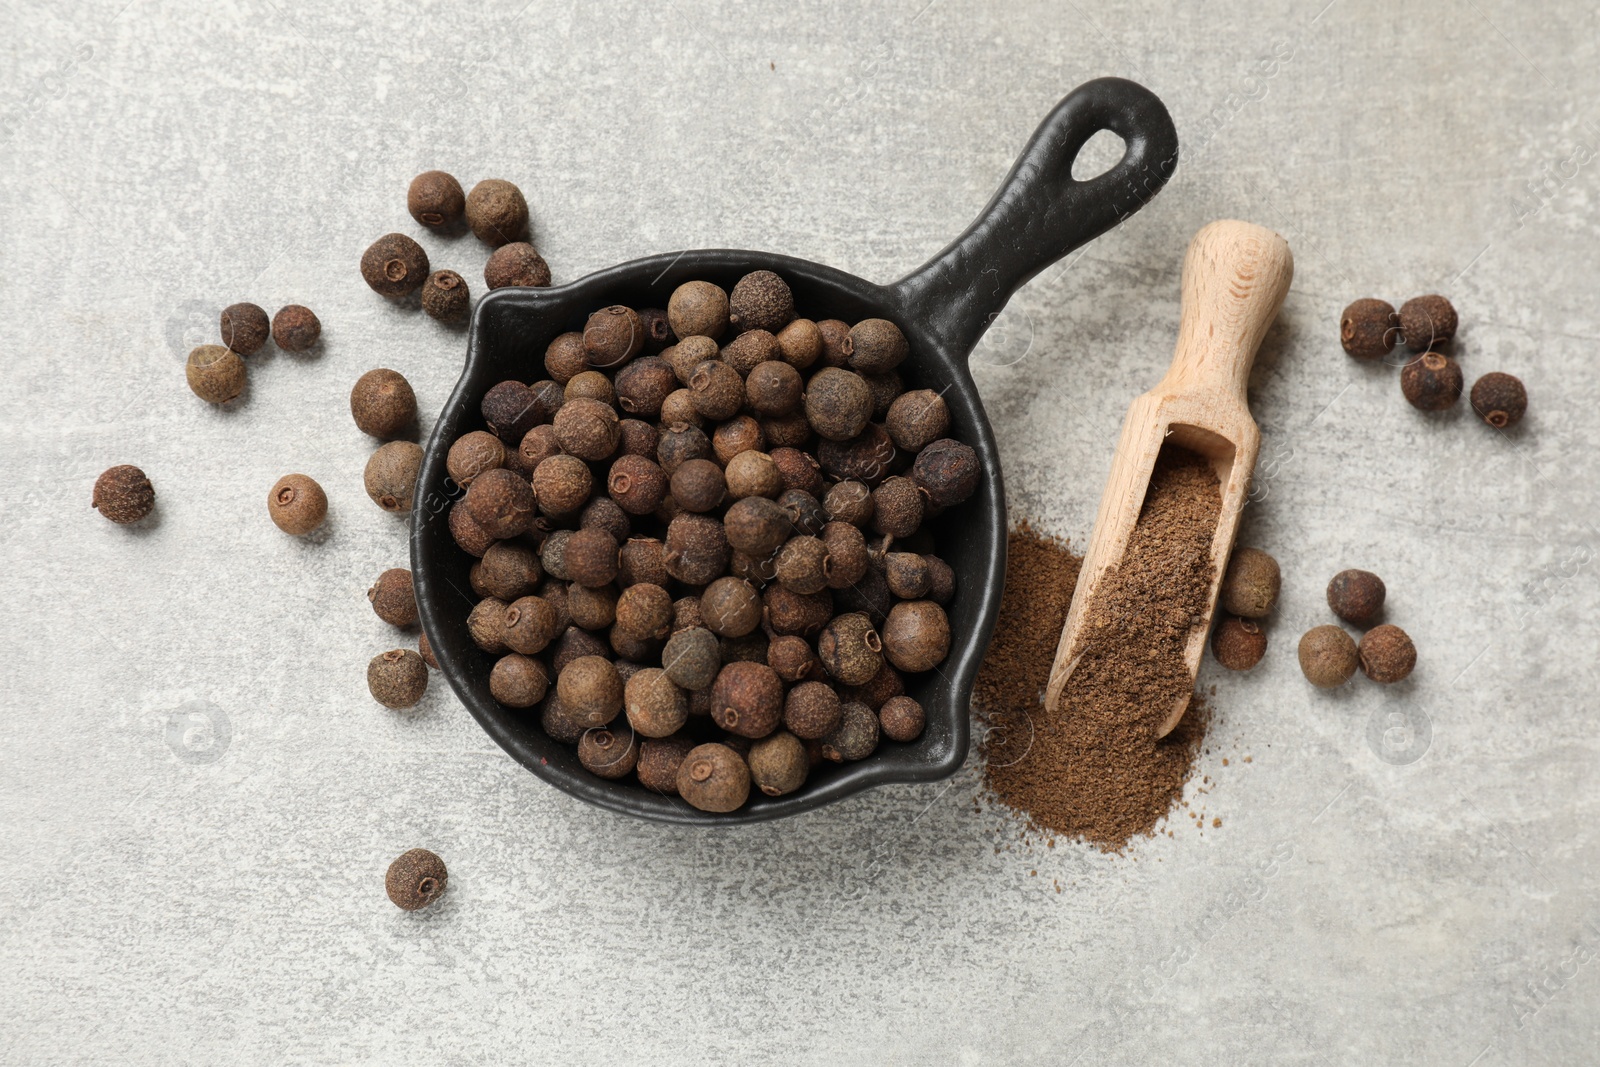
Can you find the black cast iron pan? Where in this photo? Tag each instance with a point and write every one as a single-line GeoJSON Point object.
{"type": "Point", "coordinates": [1038, 215]}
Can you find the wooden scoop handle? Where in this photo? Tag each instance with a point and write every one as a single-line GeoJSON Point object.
{"type": "Point", "coordinates": [1235, 276]}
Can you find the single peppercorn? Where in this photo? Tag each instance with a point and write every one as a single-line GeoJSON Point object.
{"type": "Point", "coordinates": [655, 706]}
{"type": "Point", "coordinates": [445, 296]}
{"type": "Point", "coordinates": [698, 309]}
{"type": "Point", "coordinates": [870, 596]}
{"type": "Point", "coordinates": [394, 265]}
{"type": "Point", "coordinates": [591, 689]}
{"type": "Point", "coordinates": [382, 403]}
{"type": "Point", "coordinates": [1427, 322]}
{"type": "Point", "coordinates": [756, 525]}
{"type": "Point", "coordinates": [469, 536]}
{"type": "Point", "coordinates": [296, 328]}
{"type": "Point", "coordinates": [123, 494]}
{"type": "Point", "coordinates": [902, 719]}
{"type": "Point", "coordinates": [435, 199]}
{"type": "Point", "coordinates": [486, 625]}
{"type": "Point", "coordinates": [716, 390]}
{"type": "Point", "coordinates": [846, 562]}
{"type": "Point", "coordinates": [659, 760]}
{"type": "Point", "coordinates": [691, 658]}
{"type": "Point", "coordinates": [500, 501]}
{"type": "Point", "coordinates": [397, 678]}
{"type": "Point", "coordinates": [774, 388]}
{"type": "Point", "coordinates": [473, 453]}
{"type": "Point", "coordinates": [1387, 654]}
{"type": "Point", "coordinates": [749, 350]}
{"type": "Point", "coordinates": [697, 549]}
{"type": "Point", "coordinates": [917, 419]}
{"type": "Point", "coordinates": [1369, 328]}
{"type": "Point", "coordinates": [747, 698]}
{"type": "Point", "coordinates": [510, 409]}
{"type": "Point", "coordinates": [849, 502]}
{"type": "Point", "coordinates": [800, 344]}
{"type": "Point", "coordinates": [941, 580]}
{"type": "Point", "coordinates": [797, 470]}
{"type": "Point", "coordinates": [886, 389]}
{"type": "Point", "coordinates": [588, 429]}
{"type": "Point", "coordinates": [589, 385]}
{"type": "Point", "coordinates": [1431, 382]}
{"type": "Point", "coordinates": [896, 507]}
{"type": "Point", "coordinates": [752, 473]}
{"type": "Point", "coordinates": [698, 485]}
{"type": "Point", "coordinates": [887, 683]}
{"type": "Point", "coordinates": [1499, 399]}
{"type": "Point", "coordinates": [612, 336]}
{"type": "Point", "coordinates": [805, 514]}
{"type": "Point", "coordinates": [497, 212]}
{"type": "Point", "coordinates": [838, 403]}
{"type": "Point", "coordinates": [791, 657]}
{"type": "Point", "coordinates": [801, 565]}
{"type": "Point", "coordinates": [562, 484]}
{"type": "Point", "coordinates": [604, 513]}
{"type": "Point", "coordinates": [643, 385]}
{"type": "Point", "coordinates": [678, 410]}
{"type": "Point", "coordinates": [644, 611]}
{"type": "Point", "coordinates": [215, 374]}
{"type": "Point", "coordinates": [639, 438]}
{"type": "Point", "coordinates": [1251, 583]}
{"type": "Point", "coordinates": [947, 472]}
{"type": "Point", "coordinates": [574, 644]}
{"type": "Point", "coordinates": [867, 457]}
{"type": "Point", "coordinates": [877, 346]}
{"type": "Point", "coordinates": [609, 753]}
{"type": "Point", "coordinates": [1238, 644]}
{"type": "Point", "coordinates": [778, 764]}
{"type": "Point", "coordinates": [425, 650]}
{"type": "Point", "coordinates": [739, 434]}
{"type": "Point", "coordinates": [917, 635]}
{"type": "Point", "coordinates": [856, 736]}
{"type": "Point", "coordinates": [688, 354]}
{"type": "Point", "coordinates": [714, 778]}
{"type": "Point", "coordinates": [1327, 656]}
{"type": "Point", "coordinates": [788, 612]}
{"type": "Point", "coordinates": [850, 649]}
{"type": "Point", "coordinates": [681, 442]}
{"type": "Point", "coordinates": [555, 721]}
{"type": "Point", "coordinates": [245, 328]}
{"type": "Point", "coordinates": [787, 431]}
{"type": "Point", "coordinates": [812, 710]}
{"type": "Point", "coordinates": [394, 598]}
{"type": "Point", "coordinates": [415, 879]}
{"type": "Point", "coordinates": [1356, 596]}
{"type": "Point", "coordinates": [760, 301]}
{"type": "Point", "coordinates": [730, 607]}
{"type": "Point", "coordinates": [511, 570]}
{"type": "Point", "coordinates": [518, 681]}
{"type": "Point", "coordinates": [528, 625]}
{"type": "Point", "coordinates": [297, 504]}
{"type": "Point", "coordinates": [591, 558]}
{"type": "Point", "coordinates": [566, 357]}
{"type": "Point", "coordinates": [640, 562]}
{"type": "Point", "coordinates": [638, 485]}
{"type": "Point", "coordinates": [836, 343]}
{"type": "Point", "coordinates": [907, 575]}
{"type": "Point", "coordinates": [516, 263]}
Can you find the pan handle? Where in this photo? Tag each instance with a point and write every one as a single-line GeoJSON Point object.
{"type": "Point", "coordinates": [1040, 212]}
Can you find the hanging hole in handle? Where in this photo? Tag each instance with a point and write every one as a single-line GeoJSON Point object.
{"type": "Point", "coordinates": [1099, 154]}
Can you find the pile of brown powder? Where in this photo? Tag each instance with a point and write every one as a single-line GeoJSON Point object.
{"type": "Point", "coordinates": [1094, 770]}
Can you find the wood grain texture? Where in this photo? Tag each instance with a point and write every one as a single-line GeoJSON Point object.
{"type": "Point", "coordinates": [1235, 276]}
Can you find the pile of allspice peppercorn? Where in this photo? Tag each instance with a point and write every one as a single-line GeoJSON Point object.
{"type": "Point", "coordinates": [1329, 656]}
{"type": "Point", "coordinates": [1431, 380]}
{"type": "Point", "coordinates": [700, 544]}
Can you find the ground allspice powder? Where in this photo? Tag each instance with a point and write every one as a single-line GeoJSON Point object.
{"type": "Point", "coordinates": [1094, 769]}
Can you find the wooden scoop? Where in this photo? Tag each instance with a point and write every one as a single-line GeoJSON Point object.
{"type": "Point", "coordinates": [1235, 276]}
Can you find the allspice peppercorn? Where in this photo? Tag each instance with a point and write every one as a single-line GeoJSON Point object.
{"type": "Point", "coordinates": [382, 403]}
{"type": "Point", "coordinates": [897, 507]}
{"type": "Point", "coordinates": [838, 403]}
{"type": "Point", "coordinates": [801, 564]}
{"type": "Point", "coordinates": [846, 561]}
{"type": "Point", "coordinates": [738, 434]}
{"type": "Point", "coordinates": [416, 879]}
{"type": "Point", "coordinates": [1238, 644]}
{"type": "Point", "coordinates": [697, 549]}
{"type": "Point", "coordinates": [749, 350]}
{"type": "Point", "coordinates": [754, 525]}
{"type": "Point", "coordinates": [486, 625]}
{"type": "Point", "coordinates": [296, 328]}
{"type": "Point", "coordinates": [637, 484]}
{"type": "Point", "coordinates": [445, 296]}
{"type": "Point", "coordinates": [836, 344]}
{"type": "Point", "coordinates": [692, 658]}
{"type": "Point", "coordinates": [516, 263]}
{"type": "Point", "coordinates": [609, 753]}
{"type": "Point", "coordinates": [730, 607]}
{"type": "Point", "coordinates": [908, 575]}
{"type": "Point", "coordinates": [500, 501]}
{"type": "Point", "coordinates": [655, 706]}
{"type": "Point", "coordinates": [469, 536]}
{"type": "Point", "coordinates": [1251, 584]}
{"type": "Point", "coordinates": [1387, 654]}
{"type": "Point", "coordinates": [435, 199]}
{"type": "Point", "coordinates": [588, 429]}
{"type": "Point", "coordinates": [800, 344]}
{"type": "Point", "coordinates": [849, 502]}
{"type": "Point", "coordinates": [856, 736]}
{"type": "Point", "coordinates": [397, 678]}
{"type": "Point", "coordinates": [698, 485]}
{"type": "Point", "coordinates": [1499, 399]}
{"type": "Point", "coordinates": [518, 681]}
{"type": "Point", "coordinates": [698, 309]}
{"type": "Point", "coordinates": [297, 504]}
{"type": "Point", "coordinates": [562, 484]}
{"type": "Point", "coordinates": [591, 558]}
{"type": "Point", "coordinates": [1431, 382]}
{"type": "Point", "coordinates": [425, 650]}
{"type": "Point", "coordinates": [714, 778]}
{"type": "Point", "coordinates": [791, 657]}
{"type": "Point", "coordinates": [394, 598]}
{"type": "Point", "coordinates": [917, 419]}
{"type": "Point", "coordinates": [394, 265]}
{"type": "Point", "coordinates": [753, 473]}
{"type": "Point", "coordinates": [1369, 328]}
{"type": "Point", "coordinates": [798, 470]}
{"type": "Point", "coordinates": [681, 442]}
{"type": "Point", "coordinates": [1356, 596]}
{"type": "Point", "coordinates": [511, 570]}
{"type": "Point", "coordinates": [947, 472]}
{"type": "Point", "coordinates": [760, 301]}
{"type": "Point", "coordinates": [659, 760]}
{"type": "Point", "coordinates": [774, 388]}
{"type": "Point", "coordinates": [1327, 656]}
{"type": "Point", "coordinates": [497, 212]}
{"type": "Point", "coordinates": [778, 764]}
{"type": "Point", "coordinates": [643, 385]}
{"type": "Point", "coordinates": [917, 635]}
{"type": "Point", "coordinates": [811, 710]}
{"type": "Point", "coordinates": [867, 457]}
{"type": "Point", "coordinates": [747, 699]}
{"type": "Point", "coordinates": [716, 390]}
{"type": "Point", "coordinates": [215, 374]}
{"type": "Point", "coordinates": [805, 514]}
{"type": "Point", "coordinates": [902, 719]}
{"type": "Point", "coordinates": [511, 409]}
{"type": "Point", "coordinates": [591, 690]}
{"type": "Point", "coordinates": [566, 357]}
{"type": "Point", "coordinates": [639, 562]}
{"type": "Point", "coordinates": [123, 494]}
{"type": "Point", "coordinates": [850, 649]}
{"type": "Point", "coordinates": [245, 328]}
{"type": "Point", "coordinates": [644, 611]}
{"type": "Point", "coordinates": [612, 336]}
{"type": "Point", "coordinates": [1427, 322]}
{"type": "Point", "coordinates": [877, 346]}
{"type": "Point", "coordinates": [473, 453]}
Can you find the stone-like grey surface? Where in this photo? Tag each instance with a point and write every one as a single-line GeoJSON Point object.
{"type": "Point", "coordinates": [199, 798]}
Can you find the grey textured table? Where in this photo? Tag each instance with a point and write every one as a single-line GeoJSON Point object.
{"type": "Point", "coordinates": [199, 797]}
